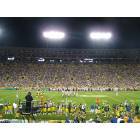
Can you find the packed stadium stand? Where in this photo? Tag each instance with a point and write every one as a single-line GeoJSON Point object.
{"type": "Point", "coordinates": [77, 69]}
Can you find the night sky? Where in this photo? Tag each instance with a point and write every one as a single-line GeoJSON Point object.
{"type": "Point", "coordinates": [26, 32]}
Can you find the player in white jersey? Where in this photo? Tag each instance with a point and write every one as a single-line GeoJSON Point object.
{"type": "Point", "coordinates": [116, 91]}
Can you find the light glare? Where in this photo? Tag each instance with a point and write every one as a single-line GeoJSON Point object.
{"type": "Point", "coordinates": [100, 35]}
{"type": "Point", "coordinates": [54, 35]}
{"type": "Point", "coordinates": [11, 58]}
{"type": "Point", "coordinates": [41, 60]}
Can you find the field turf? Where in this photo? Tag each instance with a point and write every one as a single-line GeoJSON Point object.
{"type": "Point", "coordinates": [87, 98]}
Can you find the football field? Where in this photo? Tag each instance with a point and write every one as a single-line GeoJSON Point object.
{"type": "Point", "coordinates": [83, 97]}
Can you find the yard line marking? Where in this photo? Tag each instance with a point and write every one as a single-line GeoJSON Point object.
{"type": "Point", "coordinates": [102, 96]}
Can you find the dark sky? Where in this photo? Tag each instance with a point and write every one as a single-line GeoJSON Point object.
{"type": "Point", "coordinates": [26, 32]}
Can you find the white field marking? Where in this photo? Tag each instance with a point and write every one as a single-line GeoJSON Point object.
{"type": "Point", "coordinates": [92, 96]}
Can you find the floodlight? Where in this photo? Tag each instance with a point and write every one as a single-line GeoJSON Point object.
{"type": "Point", "coordinates": [41, 60]}
{"type": "Point", "coordinates": [88, 59]}
{"type": "Point", "coordinates": [54, 35]}
{"type": "Point", "coordinates": [51, 60]}
{"type": "Point", "coordinates": [81, 61]}
{"type": "Point", "coordinates": [11, 58]}
{"type": "Point", "coordinates": [100, 35]}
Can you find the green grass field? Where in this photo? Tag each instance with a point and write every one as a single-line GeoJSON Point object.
{"type": "Point", "coordinates": [87, 98]}
{"type": "Point", "coordinates": [83, 97]}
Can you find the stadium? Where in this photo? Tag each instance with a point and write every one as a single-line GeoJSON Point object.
{"type": "Point", "coordinates": [70, 80]}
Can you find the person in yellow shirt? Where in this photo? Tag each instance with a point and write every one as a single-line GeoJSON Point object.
{"type": "Point", "coordinates": [6, 109]}
{"type": "Point", "coordinates": [53, 108]}
{"type": "Point", "coordinates": [17, 114]}
{"type": "Point", "coordinates": [137, 119]}
{"type": "Point", "coordinates": [117, 113]}
{"type": "Point", "coordinates": [44, 110]}
{"type": "Point", "coordinates": [125, 118]}
{"type": "Point", "coordinates": [72, 110]}
{"type": "Point", "coordinates": [121, 109]}
{"type": "Point", "coordinates": [49, 109]}
{"type": "Point", "coordinates": [10, 109]}
{"type": "Point", "coordinates": [97, 101]}
{"type": "Point", "coordinates": [42, 100]}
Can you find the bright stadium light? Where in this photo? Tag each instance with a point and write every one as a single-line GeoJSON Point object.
{"type": "Point", "coordinates": [11, 58]}
{"type": "Point", "coordinates": [54, 35]}
{"type": "Point", "coordinates": [100, 35]}
{"type": "Point", "coordinates": [88, 59]}
{"type": "Point", "coordinates": [81, 61]}
{"type": "Point", "coordinates": [41, 60]}
{"type": "Point", "coordinates": [52, 61]}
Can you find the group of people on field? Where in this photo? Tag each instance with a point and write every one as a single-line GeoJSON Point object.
{"type": "Point", "coordinates": [98, 112]}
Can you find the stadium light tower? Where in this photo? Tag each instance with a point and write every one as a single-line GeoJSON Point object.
{"type": "Point", "coordinates": [98, 36]}
{"type": "Point", "coordinates": [54, 35]}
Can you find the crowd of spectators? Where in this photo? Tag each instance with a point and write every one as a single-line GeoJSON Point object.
{"type": "Point", "coordinates": [125, 112]}
{"type": "Point", "coordinates": [73, 76]}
